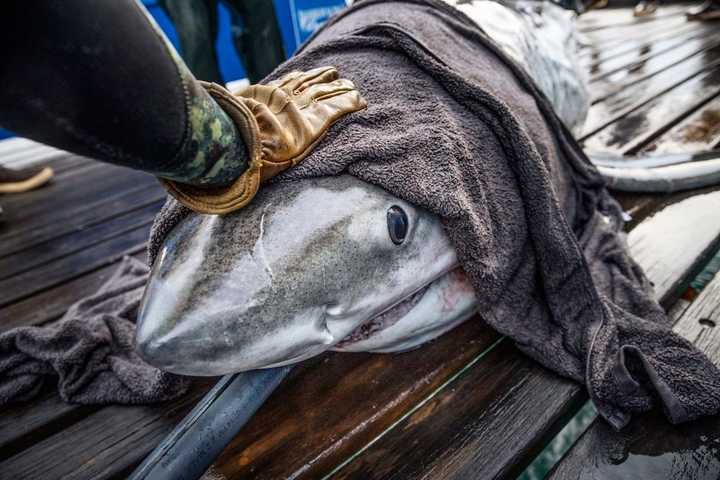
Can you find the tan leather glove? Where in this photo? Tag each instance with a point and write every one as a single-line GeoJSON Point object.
{"type": "Point", "coordinates": [280, 123]}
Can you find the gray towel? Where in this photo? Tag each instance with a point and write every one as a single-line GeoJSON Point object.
{"type": "Point", "coordinates": [89, 353]}
{"type": "Point", "coordinates": [454, 126]}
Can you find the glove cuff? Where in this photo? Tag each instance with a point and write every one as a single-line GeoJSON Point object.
{"type": "Point", "coordinates": [222, 200]}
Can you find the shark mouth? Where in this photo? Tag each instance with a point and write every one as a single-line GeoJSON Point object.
{"type": "Point", "coordinates": [387, 318]}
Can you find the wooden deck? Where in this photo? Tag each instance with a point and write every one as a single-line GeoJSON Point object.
{"type": "Point", "coordinates": [468, 405]}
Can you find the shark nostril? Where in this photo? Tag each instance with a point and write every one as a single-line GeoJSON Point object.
{"type": "Point", "coordinates": [333, 309]}
{"type": "Point", "coordinates": [150, 349]}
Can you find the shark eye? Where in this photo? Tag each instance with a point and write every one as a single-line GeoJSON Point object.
{"type": "Point", "coordinates": [397, 221]}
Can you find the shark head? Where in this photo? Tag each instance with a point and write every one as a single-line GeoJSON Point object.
{"type": "Point", "coordinates": [308, 266]}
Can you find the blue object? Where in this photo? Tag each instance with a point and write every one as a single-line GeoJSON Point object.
{"type": "Point", "coordinates": [301, 18]}
{"type": "Point", "coordinates": [298, 20]}
{"type": "Point", "coordinates": [230, 64]}
{"type": "Point", "coordinates": [189, 450]}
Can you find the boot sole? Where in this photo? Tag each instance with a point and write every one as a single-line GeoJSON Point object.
{"type": "Point", "coordinates": [31, 183]}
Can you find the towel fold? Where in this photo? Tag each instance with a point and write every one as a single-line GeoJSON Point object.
{"type": "Point", "coordinates": [89, 353]}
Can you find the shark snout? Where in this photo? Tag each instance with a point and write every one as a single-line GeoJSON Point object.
{"type": "Point", "coordinates": [208, 336]}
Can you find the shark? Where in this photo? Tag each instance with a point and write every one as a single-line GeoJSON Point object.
{"type": "Point", "coordinates": [339, 264]}
{"type": "Point", "coordinates": [328, 263]}
{"type": "Point", "coordinates": [313, 265]}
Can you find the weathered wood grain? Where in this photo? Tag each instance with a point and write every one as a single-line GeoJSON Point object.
{"type": "Point", "coordinates": [616, 131]}
{"type": "Point", "coordinates": [21, 152]}
{"type": "Point", "coordinates": [614, 22]}
{"type": "Point", "coordinates": [103, 444]}
{"type": "Point", "coordinates": [680, 237]}
{"type": "Point", "coordinates": [93, 212]}
{"type": "Point", "coordinates": [54, 273]}
{"type": "Point", "coordinates": [650, 447]}
{"type": "Point", "coordinates": [53, 302]}
{"type": "Point", "coordinates": [637, 60]}
{"type": "Point", "coordinates": [634, 41]}
{"type": "Point", "coordinates": [75, 243]}
{"type": "Point", "coordinates": [642, 142]}
{"type": "Point", "coordinates": [25, 424]}
{"type": "Point", "coordinates": [655, 75]}
{"type": "Point", "coordinates": [594, 50]}
{"type": "Point", "coordinates": [68, 191]}
{"type": "Point", "coordinates": [519, 415]}
{"type": "Point", "coordinates": [698, 132]}
{"type": "Point", "coordinates": [339, 404]}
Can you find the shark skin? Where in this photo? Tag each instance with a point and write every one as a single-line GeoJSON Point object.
{"type": "Point", "coordinates": [308, 266]}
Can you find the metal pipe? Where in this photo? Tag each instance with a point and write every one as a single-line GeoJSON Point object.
{"type": "Point", "coordinates": [189, 450]}
{"type": "Point", "coordinates": [672, 178]}
{"type": "Point", "coordinates": [650, 160]}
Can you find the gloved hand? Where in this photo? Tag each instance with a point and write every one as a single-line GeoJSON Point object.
{"type": "Point", "coordinates": [280, 123]}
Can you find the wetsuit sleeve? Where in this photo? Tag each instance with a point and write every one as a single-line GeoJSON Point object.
{"type": "Point", "coordinates": [100, 79]}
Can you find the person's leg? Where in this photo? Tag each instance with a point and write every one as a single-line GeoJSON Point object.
{"type": "Point", "coordinates": [23, 179]}
{"type": "Point", "coordinates": [258, 42]}
{"type": "Point", "coordinates": [710, 10]}
{"type": "Point", "coordinates": [196, 26]}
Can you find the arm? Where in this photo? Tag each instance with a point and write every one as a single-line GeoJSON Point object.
{"type": "Point", "coordinates": [100, 79]}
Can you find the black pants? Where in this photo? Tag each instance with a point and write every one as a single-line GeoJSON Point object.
{"type": "Point", "coordinates": [256, 35]}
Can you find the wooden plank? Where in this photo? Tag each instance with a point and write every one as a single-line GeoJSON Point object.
{"type": "Point", "coordinates": [621, 19]}
{"type": "Point", "coordinates": [104, 444]}
{"type": "Point", "coordinates": [591, 48]}
{"type": "Point", "coordinates": [51, 303]}
{"type": "Point", "coordinates": [658, 129]}
{"type": "Point", "coordinates": [650, 447]}
{"type": "Point", "coordinates": [678, 239]}
{"type": "Point", "coordinates": [634, 41]}
{"type": "Point", "coordinates": [63, 248]}
{"type": "Point", "coordinates": [616, 133]}
{"type": "Point", "coordinates": [21, 152]}
{"type": "Point", "coordinates": [520, 414]}
{"type": "Point", "coordinates": [25, 424]}
{"type": "Point", "coordinates": [72, 188]}
{"type": "Point", "coordinates": [64, 163]}
{"type": "Point", "coordinates": [450, 435]}
{"type": "Point", "coordinates": [696, 133]}
{"type": "Point", "coordinates": [637, 60]}
{"type": "Point", "coordinates": [67, 221]}
{"type": "Point", "coordinates": [342, 402]}
{"type": "Point", "coordinates": [657, 74]}
{"type": "Point", "coordinates": [54, 273]}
